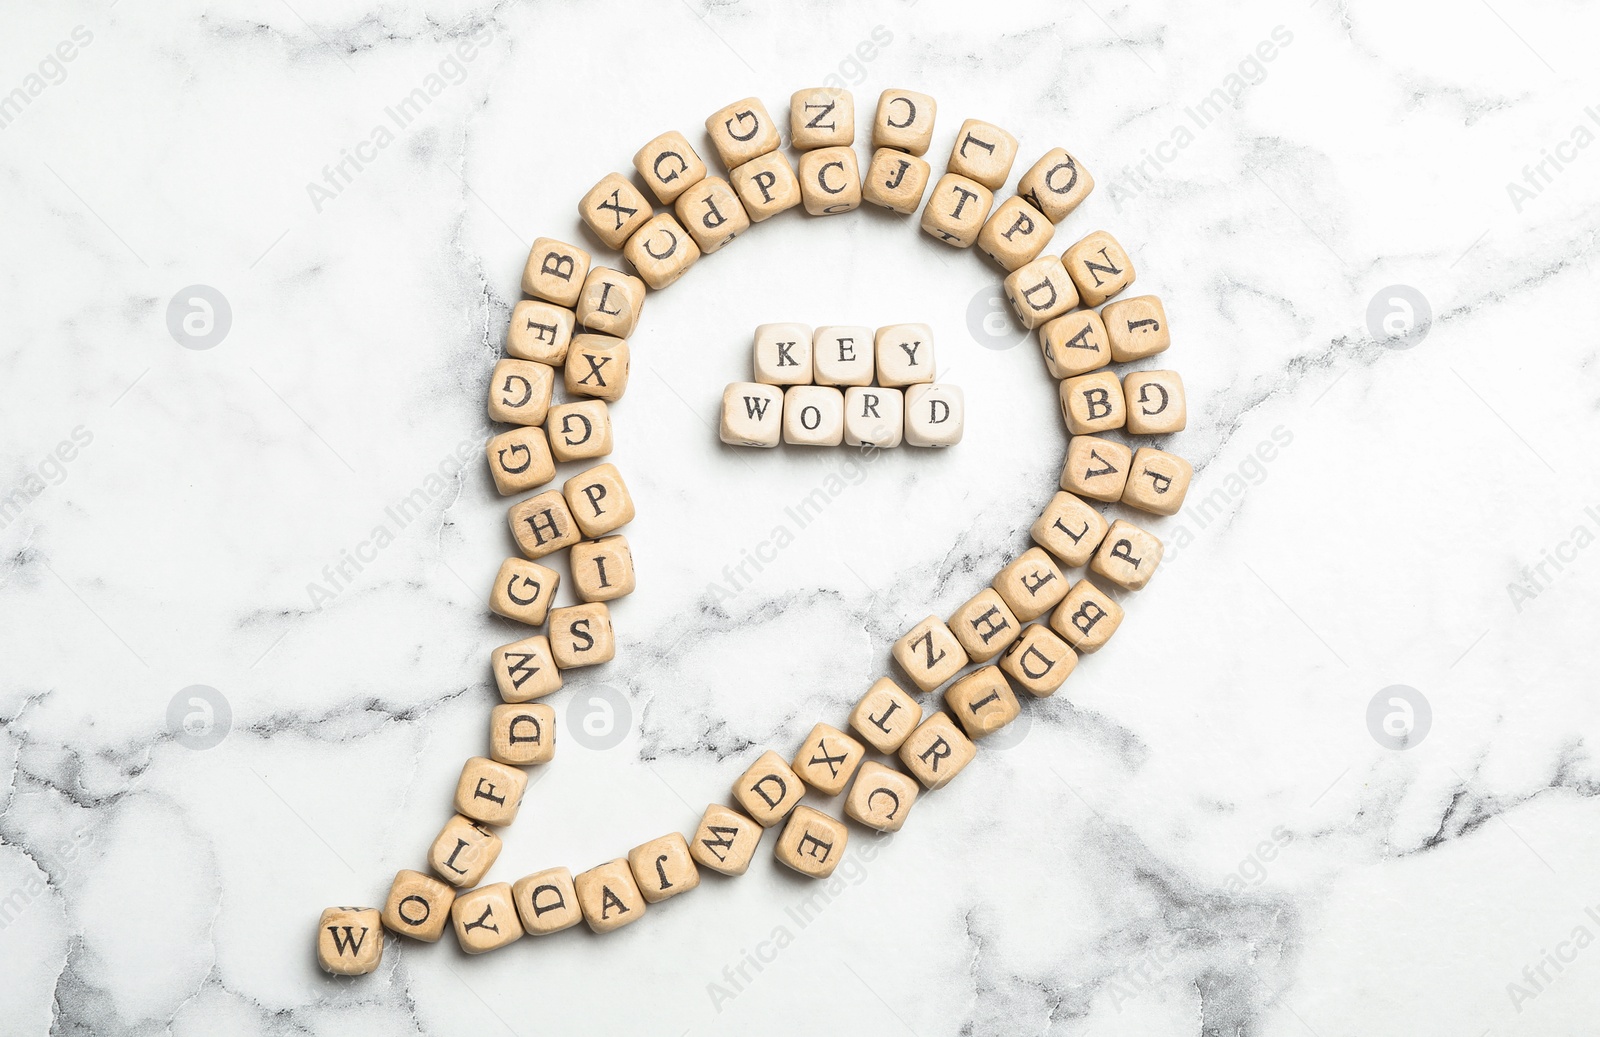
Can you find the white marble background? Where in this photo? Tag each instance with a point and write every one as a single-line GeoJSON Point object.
{"type": "Point", "coordinates": [1200, 835]}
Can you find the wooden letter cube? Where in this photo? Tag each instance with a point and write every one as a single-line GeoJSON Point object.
{"type": "Point", "coordinates": [579, 431]}
{"type": "Point", "coordinates": [881, 797]}
{"type": "Point", "coordinates": [783, 354]}
{"type": "Point", "coordinates": [614, 209]}
{"type": "Point", "coordinates": [663, 868]}
{"type": "Point", "coordinates": [581, 635]}
{"type": "Point", "coordinates": [519, 392]}
{"type": "Point", "coordinates": [937, 751]}
{"type": "Point", "coordinates": [904, 353]}
{"type": "Point", "coordinates": [827, 758]}
{"type": "Point", "coordinates": [936, 415]}
{"type": "Point", "coordinates": [463, 851]}
{"type": "Point", "coordinates": [712, 214]}
{"type": "Point", "coordinates": [843, 355]}
{"type": "Point", "coordinates": [540, 331]}
{"type": "Point", "coordinates": [1137, 327]}
{"type": "Point", "coordinates": [555, 272]}
{"type": "Point", "coordinates": [813, 415]}
{"type": "Point", "coordinates": [885, 716]}
{"type": "Point", "coordinates": [349, 940]}
{"type": "Point", "coordinates": [821, 117]}
{"type": "Point", "coordinates": [542, 524]}
{"type": "Point", "coordinates": [874, 416]}
{"type": "Point", "coordinates": [610, 302]}
{"type": "Point", "coordinates": [597, 367]}
{"type": "Point", "coordinates": [522, 734]}
{"type": "Point", "coordinates": [984, 625]}
{"type": "Point", "coordinates": [490, 792]}
{"type": "Point", "coordinates": [1031, 585]}
{"type": "Point", "coordinates": [725, 841]}
{"type": "Point", "coordinates": [547, 901]}
{"type": "Point", "coordinates": [768, 790]}
{"type": "Point", "coordinates": [896, 180]}
{"type": "Point", "coordinates": [904, 121]}
{"type": "Point", "coordinates": [519, 460]}
{"type": "Point", "coordinates": [1074, 343]}
{"type": "Point", "coordinates": [1093, 402]}
{"type": "Point", "coordinates": [418, 906]}
{"type": "Point", "coordinates": [983, 152]}
{"type": "Point", "coordinates": [812, 843]}
{"type": "Point", "coordinates": [599, 500]}
{"type": "Point", "coordinates": [830, 181]}
{"type": "Point", "coordinates": [669, 166]}
{"type": "Point", "coordinates": [525, 670]}
{"type": "Point", "coordinates": [662, 250]}
{"type": "Point", "coordinates": [1070, 529]}
{"type": "Point", "coordinates": [956, 210]}
{"type": "Point", "coordinates": [1096, 468]}
{"type": "Point", "coordinates": [486, 918]}
{"type": "Point", "coordinates": [1155, 402]}
{"type": "Point", "coordinates": [1040, 291]}
{"type": "Point", "coordinates": [602, 570]}
{"type": "Point", "coordinates": [1016, 234]}
{"type": "Point", "coordinates": [1157, 482]}
{"type": "Point", "coordinates": [609, 897]}
{"type": "Point", "coordinates": [1039, 661]}
{"type": "Point", "coordinates": [1128, 556]}
{"type": "Point", "coordinates": [1099, 267]}
{"type": "Point", "coordinates": [1056, 184]}
{"type": "Point", "coordinates": [1086, 617]}
{"type": "Point", "coordinates": [752, 414]}
{"type": "Point", "coordinates": [766, 185]}
{"type": "Point", "coordinates": [742, 131]}
{"type": "Point", "coordinates": [983, 701]}
{"type": "Point", "coordinates": [929, 654]}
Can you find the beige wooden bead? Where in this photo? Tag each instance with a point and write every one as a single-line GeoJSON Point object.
{"type": "Point", "coordinates": [519, 392]}
{"type": "Point", "coordinates": [929, 653]}
{"type": "Point", "coordinates": [1070, 529]}
{"type": "Point", "coordinates": [542, 524]}
{"type": "Point", "coordinates": [904, 121]}
{"type": "Point", "coordinates": [937, 751]}
{"type": "Point", "coordinates": [614, 209]}
{"type": "Point", "coordinates": [712, 214]}
{"type": "Point", "coordinates": [830, 181]}
{"type": "Point", "coordinates": [525, 670]}
{"type": "Point", "coordinates": [599, 500]}
{"type": "Point", "coordinates": [1074, 343]}
{"type": "Point", "coordinates": [662, 868]}
{"type": "Point", "coordinates": [597, 367]}
{"type": "Point", "coordinates": [821, 117]}
{"type": "Point", "coordinates": [540, 331]}
{"type": "Point", "coordinates": [1056, 184]}
{"type": "Point", "coordinates": [1155, 402]}
{"type": "Point", "coordinates": [669, 166]}
{"type": "Point", "coordinates": [874, 416]}
{"type": "Point", "coordinates": [1128, 556]}
{"type": "Point", "coordinates": [984, 625]}
{"type": "Point", "coordinates": [827, 758]}
{"type": "Point", "coordinates": [1039, 661]}
{"type": "Point", "coordinates": [1040, 291]}
{"type": "Point", "coordinates": [1086, 617]}
{"type": "Point", "coordinates": [881, 797]}
{"type": "Point", "coordinates": [1137, 328]}
{"type": "Point", "coordinates": [463, 851]}
{"type": "Point", "coordinates": [936, 415]}
{"type": "Point", "coordinates": [1030, 585]}
{"type": "Point", "coordinates": [581, 635]}
{"type": "Point", "coordinates": [1099, 267]}
{"type": "Point", "coordinates": [885, 716]}
{"type": "Point", "coordinates": [1157, 481]}
{"type": "Point", "coordinates": [896, 180]}
{"type": "Point", "coordinates": [982, 701]}
{"type": "Point", "coordinates": [1015, 234]}
{"type": "Point", "coordinates": [349, 940]}
{"type": "Point", "coordinates": [609, 897]}
{"type": "Point", "coordinates": [579, 431]}
{"type": "Point", "coordinates": [956, 210]}
{"type": "Point", "coordinates": [486, 918]}
{"type": "Point", "coordinates": [547, 902]}
{"type": "Point", "coordinates": [418, 906]}
{"type": "Point", "coordinates": [726, 840]}
{"type": "Point", "coordinates": [1096, 468]}
{"type": "Point", "coordinates": [783, 354]}
{"type": "Point", "coordinates": [610, 302]}
{"type": "Point", "coordinates": [766, 186]}
{"type": "Point", "coordinates": [602, 570]}
{"type": "Point", "coordinates": [811, 843]}
{"type": "Point", "coordinates": [752, 415]}
{"type": "Point", "coordinates": [904, 354]}
{"type": "Point", "coordinates": [813, 415]}
{"type": "Point", "coordinates": [662, 249]}
{"type": "Point", "coordinates": [768, 789]}
{"type": "Point", "coordinates": [522, 734]}
{"type": "Point", "coordinates": [519, 460]}
{"type": "Point", "coordinates": [843, 354]}
{"type": "Point", "coordinates": [983, 152]}
{"type": "Point", "coordinates": [555, 272]}
{"type": "Point", "coordinates": [490, 792]}
{"type": "Point", "coordinates": [742, 131]}
{"type": "Point", "coordinates": [1092, 403]}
